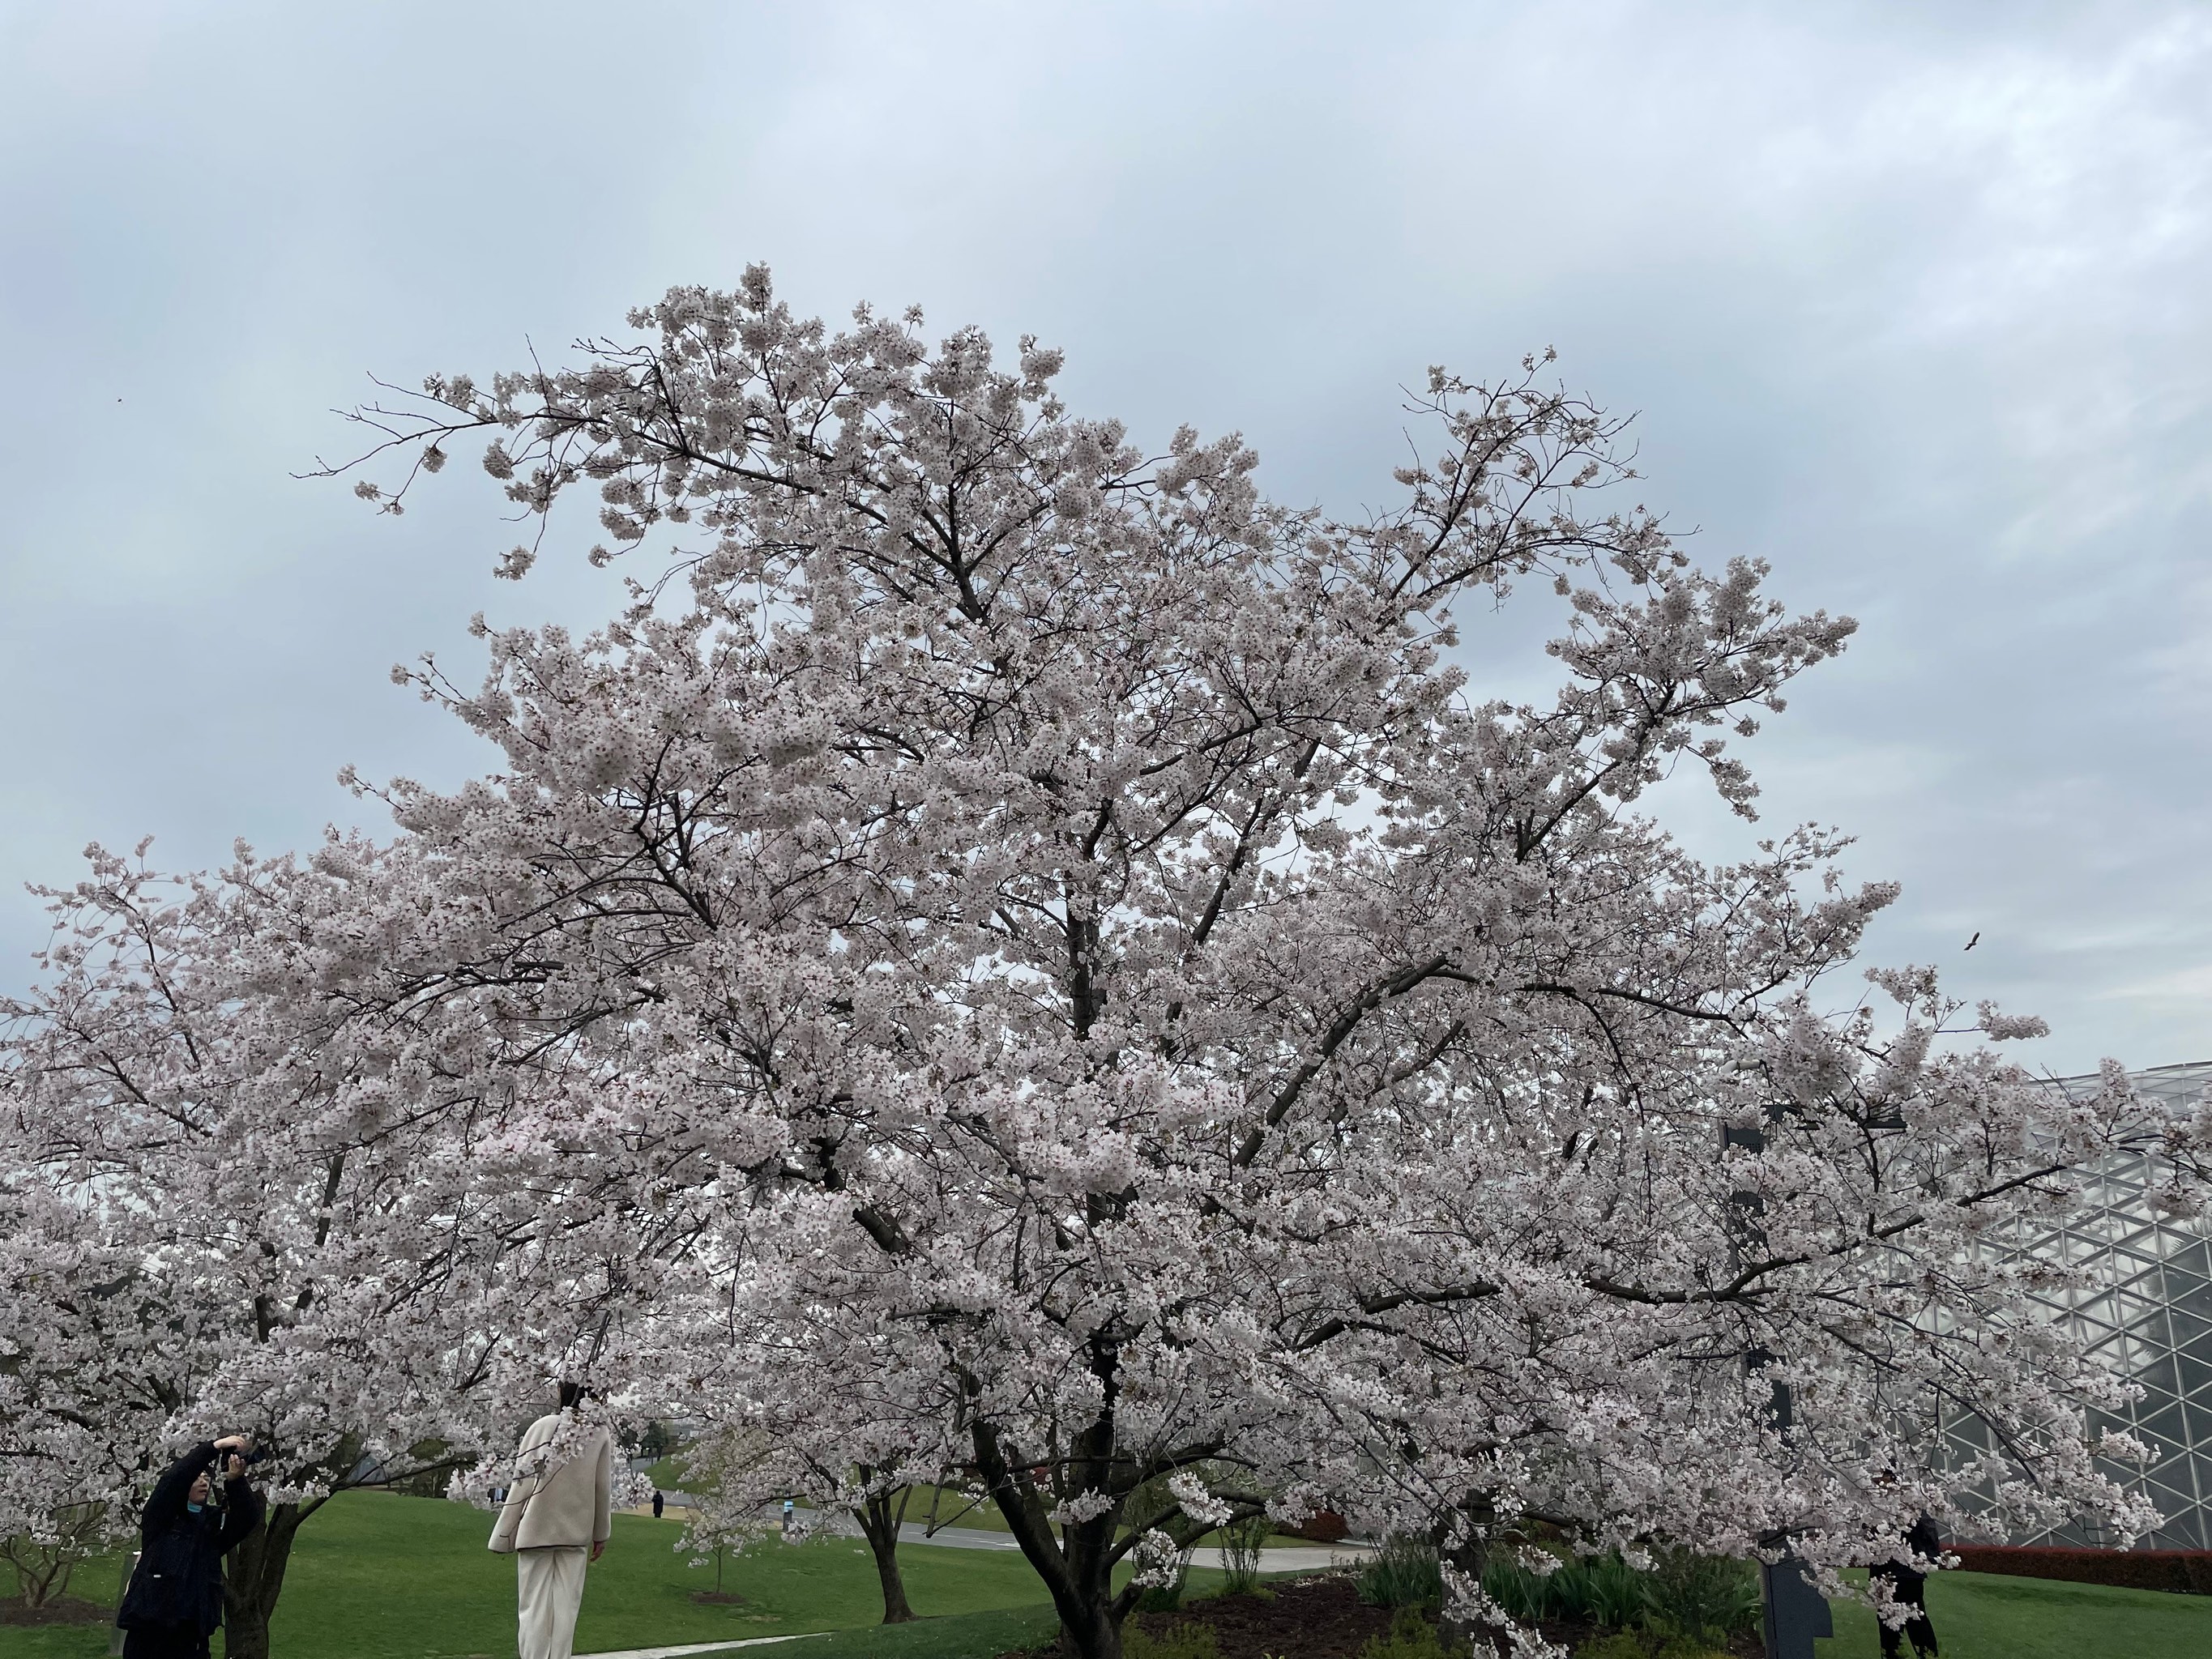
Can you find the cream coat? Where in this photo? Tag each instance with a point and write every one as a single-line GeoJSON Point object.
{"type": "Point", "coordinates": [569, 1506]}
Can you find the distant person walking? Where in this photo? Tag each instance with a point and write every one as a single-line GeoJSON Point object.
{"type": "Point", "coordinates": [1909, 1585]}
{"type": "Point", "coordinates": [174, 1602]}
{"type": "Point", "coordinates": [656, 1503]}
{"type": "Point", "coordinates": [787, 1512]}
{"type": "Point", "coordinates": [557, 1517]}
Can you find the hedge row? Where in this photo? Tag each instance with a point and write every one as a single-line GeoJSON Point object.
{"type": "Point", "coordinates": [2188, 1572]}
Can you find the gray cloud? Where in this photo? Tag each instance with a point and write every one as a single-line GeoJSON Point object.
{"type": "Point", "coordinates": [1910, 299]}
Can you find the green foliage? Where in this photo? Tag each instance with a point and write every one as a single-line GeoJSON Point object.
{"type": "Point", "coordinates": [1184, 1641]}
{"type": "Point", "coordinates": [1707, 1598]}
{"type": "Point", "coordinates": [1602, 1590]}
{"type": "Point", "coordinates": [1405, 1572]}
{"type": "Point", "coordinates": [1411, 1636]}
{"type": "Point", "coordinates": [1240, 1552]}
{"type": "Point", "coordinates": [1646, 1644]}
{"type": "Point", "coordinates": [1164, 1598]}
{"type": "Point", "coordinates": [1699, 1599]}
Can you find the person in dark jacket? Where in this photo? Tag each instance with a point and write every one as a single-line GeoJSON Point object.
{"type": "Point", "coordinates": [175, 1600]}
{"type": "Point", "coordinates": [1908, 1585]}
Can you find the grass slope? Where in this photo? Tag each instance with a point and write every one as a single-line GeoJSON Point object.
{"type": "Point", "coordinates": [1980, 1615]}
{"type": "Point", "coordinates": [376, 1576]}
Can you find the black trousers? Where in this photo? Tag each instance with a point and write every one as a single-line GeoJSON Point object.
{"type": "Point", "coordinates": [165, 1642]}
{"type": "Point", "coordinates": [1911, 1588]}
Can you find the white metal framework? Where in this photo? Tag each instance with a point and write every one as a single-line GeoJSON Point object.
{"type": "Point", "coordinates": [2147, 1314]}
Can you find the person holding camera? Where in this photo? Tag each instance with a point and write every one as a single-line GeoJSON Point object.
{"type": "Point", "coordinates": [1903, 1582]}
{"type": "Point", "coordinates": [175, 1603]}
{"type": "Point", "coordinates": [559, 1508]}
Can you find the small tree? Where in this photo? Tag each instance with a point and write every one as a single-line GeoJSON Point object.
{"type": "Point", "coordinates": [45, 1555]}
{"type": "Point", "coordinates": [89, 1369]}
{"type": "Point", "coordinates": [728, 1511]}
{"type": "Point", "coordinates": [807, 1404]}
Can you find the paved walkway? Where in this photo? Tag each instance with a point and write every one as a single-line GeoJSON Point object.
{"type": "Point", "coordinates": [1288, 1558]}
{"type": "Point", "coordinates": [700, 1647]}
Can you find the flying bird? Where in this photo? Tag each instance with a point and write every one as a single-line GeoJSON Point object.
{"type": "Point", "coordinates": [1977, 939]}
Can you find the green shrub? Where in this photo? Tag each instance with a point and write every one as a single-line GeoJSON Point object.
{"type": "Point", "coordinates": [1162, 1598]}
{"type": "Point", "coordinates": [1240, 1552]}
{"type": "Point", "coordinates": [1405, 1572]}
{"type": "Point", "coordinates": [1184, 1641]}
{"type": "Point", "coordinates": [1522, 1593]}
{"type": "Point", "coordinates": [1644, 1644]}
{"type": "Point", "coordinates": [1705, 1598]}
{"type": "Point", "coordinates": [1411, 1636]}
{"type": "Point", "coordinates": [1602, 1590]}
{"type": "Point", "coordinates": [1166, 1598]}
{"type": "Point", "coordinates": [1700, 1601]}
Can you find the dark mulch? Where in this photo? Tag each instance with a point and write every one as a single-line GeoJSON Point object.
{"type": "Point", "coordinates": [718, 1598]}
{"type": "Point", "coordinates": [1316, 1617]}
{"type": "Point", "coordinates": [1303, 1619]}
{"type": "Point", "coordinates": [61, 1610]}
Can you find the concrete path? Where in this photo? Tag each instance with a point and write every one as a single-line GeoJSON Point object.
{"type": "Point", "coordinates": [1309, 1557]}
{"type": "Point", "coordinates": [700, 1647]}
{"type": "Point", "coordinates": [1287, 1558]}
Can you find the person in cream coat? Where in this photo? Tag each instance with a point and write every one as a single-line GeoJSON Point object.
{"type": "Point", "coordinates": [557, 1517]}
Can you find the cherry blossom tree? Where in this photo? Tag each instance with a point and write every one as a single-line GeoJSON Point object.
{"type": "Point", "coordinates": [86, 1380]}
{"type": "Point", "coordinates": [1085, 904]}
{"type": "Point", "coordinates": [231, 1237]}
{"type": "Point", "coordinates": [1069, 929]}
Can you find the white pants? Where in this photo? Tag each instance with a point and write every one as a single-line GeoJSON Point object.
{"type": "Point", "coordinates": [549, 1586]}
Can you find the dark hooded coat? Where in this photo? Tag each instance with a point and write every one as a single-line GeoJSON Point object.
{"type": "Point", "coordinates": [175, 1603]}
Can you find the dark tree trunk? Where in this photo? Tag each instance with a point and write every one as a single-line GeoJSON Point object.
{"type": "Point", "coordinates": [1076, 1567]}
{"type": "Point", "coordinates": [254, 1576]}
{"type": "Point", "coordinates": [40, 1576]}
{"type": "Point", "coordinates": [879, 1519]}
{"type": "Point", "coordinates": [1094, 1634]}
{"type": "Point", "coordinates": [1470, 1555]}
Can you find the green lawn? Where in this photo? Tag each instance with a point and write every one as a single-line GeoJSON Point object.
{"type": "Point", "coordinates": [376, 1576]}
{"type": "Point", "coordinates": [1980, 1615]}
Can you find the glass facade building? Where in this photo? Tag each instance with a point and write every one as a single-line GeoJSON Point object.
{"type": "Point", "coordinates": [2147, 1314]}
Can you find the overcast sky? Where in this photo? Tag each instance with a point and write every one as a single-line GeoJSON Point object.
{"type": "Point", "coordinates": [1911, 300]}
